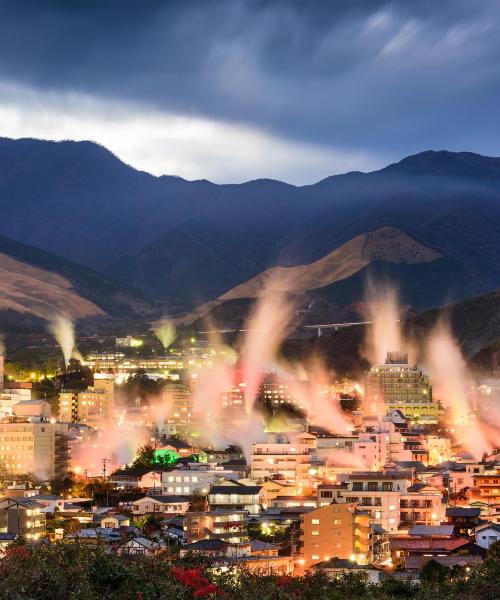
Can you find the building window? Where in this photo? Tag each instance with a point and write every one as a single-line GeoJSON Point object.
{"type": "Point", "coordinates": [315, 521]}
{"type": "Point", "coordinates": [315, 533]}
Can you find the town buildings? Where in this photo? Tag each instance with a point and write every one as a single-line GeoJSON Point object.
{"type": "Point", "coordinates": [334, 530]}
{"type": "Point", "coordinates": [93, 406]}
{"type": "Point", "coordinates": [401, 386]}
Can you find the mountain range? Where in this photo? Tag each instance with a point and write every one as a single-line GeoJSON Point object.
{"type": "Point", "coordinates": [121, 236]}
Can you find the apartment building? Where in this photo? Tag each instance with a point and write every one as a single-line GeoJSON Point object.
{"type": "Point", "coordinates": [488, 486]}
{"type": "Point", "coordinates": [178, 402]}
{"type": "Point", "coordinates": [334, 531]}
{"type": "Point", "coordinates": [392, 497]}
{"type": "Point", "coordinates": [227, 525]}
{"type": "Point", "coordinates": [236, 497]}
{"type": "Point", "coordinates": [27, 446]}
{"type": "Point", "coordinates": [23, 517]}
{"type": "Point", "coordinates": [93, 406]}
{"type": "Point", "coordinates": [289, 457]}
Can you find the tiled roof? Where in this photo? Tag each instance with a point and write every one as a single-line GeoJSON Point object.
{"type": "Point", "coordinates": [426, 530]}
{"type": "Point", "coordinates": [242, 490]}
{"type": "Point", "coordinates": [428, 544]}
{"type": "Point", "coordinates": [462, 511]}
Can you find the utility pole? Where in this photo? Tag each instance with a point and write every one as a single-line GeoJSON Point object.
{"type": "Point", "coordinates": [104, 464]}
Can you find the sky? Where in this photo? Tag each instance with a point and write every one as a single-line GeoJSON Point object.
{"type": "Point", "coordinates": [232, 90]}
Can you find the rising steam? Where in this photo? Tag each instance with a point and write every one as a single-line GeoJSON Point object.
{"type": "Point", "coordinates": [165, 332]}
{"type": "Point", "coordinates": [452, 386]}
{"type": "Point", "coordinates": [384, 334]}
{"type": "Point", "coordinates": [266, 328]}
{"type": "Point", "coordinates": [62, 329]}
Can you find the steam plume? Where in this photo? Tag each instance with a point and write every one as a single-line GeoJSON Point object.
{"type": "Point", "coordinates": [452, 386]}
{"type": "Point", "coordinates": [266, 327]}
{"type": "Point", "coordinates": [384, 335]}
{"type": "Point", "coordinates": [62, 329]}
{"type": "Point", "coordinates": [165, 332]}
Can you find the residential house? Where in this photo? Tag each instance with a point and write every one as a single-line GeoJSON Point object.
{"type": "Point", "coordinates": [140, 545]}
{"type": "Point", "coordinates": [487, 535]}
{"type": "Point", "coordinates": [160, 505]}
{"type": "Point", "coordinates": [465, 519]}
{"type": "Point", "coordinates": [236, 497]}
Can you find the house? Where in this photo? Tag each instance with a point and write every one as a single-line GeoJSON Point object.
{"type": "Point", "coordinates": [23, 517]}
{"type": "Point", "coordinates": [222, 553]}
{"type": "Point", "coordinates": [144, 478]}
{"type": "Point", "coordinates": [415, 563]}
{"type": "Point", "coordinates": [95, 536]}
{"type": "Point", "coordinates": [190, 480]}
{"type": "Point", "coordinates": [211, 548]}
{"type": "Point", "coordinates": [487, 535]}
{"type": "Point", "coordinates": [49, 503]}
{"type": "Point", "coordinates": [405, 546]}
{"type": "Point", "coordinates": [236, 497]}
{"type": "Point", "coordinates": [115, 521]}
{"type": "Point", "coordinates": [140, 545]}
{"type": "Point", "coordinates": [465, 519]}
{"type": "Point", "coordinates": [160, 505]}
{"type": "Point", "coordinates": [6, 540]}
{"type": "Point", "coordinates": [338, 567]}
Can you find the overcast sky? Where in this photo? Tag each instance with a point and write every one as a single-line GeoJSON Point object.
{"type": "Point", "coordinates": [235, 90]}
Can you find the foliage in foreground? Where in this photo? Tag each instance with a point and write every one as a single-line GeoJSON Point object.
{"type": "Point", "coordinates": [78, 572]}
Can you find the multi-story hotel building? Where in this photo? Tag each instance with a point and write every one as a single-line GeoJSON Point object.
{"type": "Point", "coordinates": [397, 385]}
{"type": "Point", "coordinates": [93, 406]}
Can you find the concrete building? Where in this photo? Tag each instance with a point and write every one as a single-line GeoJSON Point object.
{"type": "Point", "coordinates": [191, 481]}
{"type": "Point", "coordinates": [334, 531]}
{"type": "Point", "coordinates": [27, 447]}
{"type": "Point", "coordinates": [229, 525]}
{"type": "Point", "coordinates": [13, 393]}
{"type": "Point", "coordinates": [488, 486]}
{"type": "Point", "coordinates": [93, 407]}
{"type": "Point", "coordinates": [236, 497]}
{"type": "Point", "coordinates": [391, 497]}
{"type": "Point", "coordinates": [178, 402]}
{"type": "Point", "coordinates": [289, 457]}
{"type": "Point", "coordinates": [40, 409]}
{"type": "Point", "coordinates": [398, 385]}
{"type": "Point", "coordinates": [23, 517]}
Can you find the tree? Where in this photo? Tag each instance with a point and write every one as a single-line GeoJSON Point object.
{"type": "Point", "coordinates": [145, 456]}
{"type": "Point", "coordinates": [75, 377]}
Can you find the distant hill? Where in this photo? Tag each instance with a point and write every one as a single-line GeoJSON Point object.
{"type": "Point", "coordinates": [190, 241]}
{"type": "Point", "coordinates": [37, 283]}
{"type": "Point", "coordinates": [475, 323]}
{"type": "Point", "coordinates": [329, 288]}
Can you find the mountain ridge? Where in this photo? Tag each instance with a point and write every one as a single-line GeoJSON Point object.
{"type": "Point", "coordinates": [186, 242]}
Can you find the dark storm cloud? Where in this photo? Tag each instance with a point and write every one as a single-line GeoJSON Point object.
{"type": "Point", "coordinates": [388, 77]}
